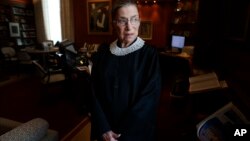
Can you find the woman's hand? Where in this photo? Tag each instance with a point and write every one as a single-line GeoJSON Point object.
{"type": "Point", "coordinates": [110, 136]}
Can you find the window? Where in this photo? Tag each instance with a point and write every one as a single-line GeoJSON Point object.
{"type": "Point", "coordinates": [52, 19]}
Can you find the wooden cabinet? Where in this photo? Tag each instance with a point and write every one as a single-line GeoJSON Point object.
{"type": "Point", "coordinates": [17, 25]}
{"type": "Point", "coordinates": [184, 19]}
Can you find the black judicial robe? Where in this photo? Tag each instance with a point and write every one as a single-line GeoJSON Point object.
{"type": "Point", "coordinates": [125, 94]}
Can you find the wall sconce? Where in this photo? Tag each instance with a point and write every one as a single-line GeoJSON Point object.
{"type": "Point", "coordinates": [147, 2]}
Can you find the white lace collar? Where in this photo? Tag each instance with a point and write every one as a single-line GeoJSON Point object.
{"type": "Point", "coordinates": [114, 49]}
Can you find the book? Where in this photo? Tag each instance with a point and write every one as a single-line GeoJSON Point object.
{"type": "Point", "coordinates": [217, 126]}
{"type": "Point", "coordinates": [205, 82]}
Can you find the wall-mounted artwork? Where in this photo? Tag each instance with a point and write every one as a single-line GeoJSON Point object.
{"type": "Point", "coordinates": [14, 29]}
{"type": "Point", "coordinates": [99, 17]}
{"type": "Point", "coordinates": [146, 30]}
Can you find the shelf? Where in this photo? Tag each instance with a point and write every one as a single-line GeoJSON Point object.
{"type": "Point", "coordinates": [184, 20]}
{"type": "Point", "coordinates": [28, 27]}
{"type": "Point", "coordinates": [23, 30]}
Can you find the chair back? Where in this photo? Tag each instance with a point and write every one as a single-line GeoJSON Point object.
{"type": "Point", "coordinates": [41, 70]}
{"type": "Point", "coordinates": [39, 67]}
{"type": "Point", "coordinates": [9, 53]}
{"type": "Point", "coordinates": [48, 76]}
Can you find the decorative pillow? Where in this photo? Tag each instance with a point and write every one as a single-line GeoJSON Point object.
{"type": "Point", "coordinates": [33, 130]}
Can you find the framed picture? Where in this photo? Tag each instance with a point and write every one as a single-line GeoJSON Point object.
{"type": "Point", "coordinates": [99, 16]}
{"type": "Point", "coordinates": [18, 11]}
{"type": "Point", "coordinates": [146, 30]}
{"type": "Point", "coordinates": [47, 44]}
{"type": "Point", "coordinates": [14, 29]}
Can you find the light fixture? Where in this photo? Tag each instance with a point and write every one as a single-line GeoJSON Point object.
{"type": "Point", "coordinates": [147, 2]}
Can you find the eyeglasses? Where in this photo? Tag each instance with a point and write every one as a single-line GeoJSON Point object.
{"type": "Point", "coordinates": [124, 22]}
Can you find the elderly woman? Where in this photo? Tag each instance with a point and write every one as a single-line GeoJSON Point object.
{"type": "Point", "coordinates": [125, 82]}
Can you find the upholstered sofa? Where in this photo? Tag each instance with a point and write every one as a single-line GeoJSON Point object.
{"type": "Point", "coordinates": [36, 129]}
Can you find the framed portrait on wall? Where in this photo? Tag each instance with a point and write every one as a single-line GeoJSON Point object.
{"type": "Point", "coordinates": [99, 16]}
{"type": "Point", "coordinates": [146, 30]}
{"type": "Point", "coordinates": [14, 29]}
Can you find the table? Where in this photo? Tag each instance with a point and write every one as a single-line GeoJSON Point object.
{"type": "Point", "coordinates": [44, 53]}
{"type": "Point", "coordinates": [41, 51]}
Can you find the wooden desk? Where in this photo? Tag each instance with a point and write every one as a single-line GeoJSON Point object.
{"type": "Point", "coordinates": [183, 56]}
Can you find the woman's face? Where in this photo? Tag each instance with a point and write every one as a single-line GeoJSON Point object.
{"type": "Point", "coordinates": [126, 24]}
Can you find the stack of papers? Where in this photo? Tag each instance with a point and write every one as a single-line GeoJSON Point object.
{"type": "Point", "coordinates": [205, 82]}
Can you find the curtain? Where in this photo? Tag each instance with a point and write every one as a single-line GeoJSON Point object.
{"type": "Point", "coordinates": [40, 26]}
{"type": "Point", "coordinates": [48, 19]}
{"type": "Point", "coordinates": [67, 20]}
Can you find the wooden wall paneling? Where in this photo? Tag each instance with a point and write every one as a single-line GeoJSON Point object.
{"type": "Point", "coordinates": [159, 14]}
{"type": "Point", "coordinates": [81, 32]}
{"type": "Point", "coordinates": [16, 2]}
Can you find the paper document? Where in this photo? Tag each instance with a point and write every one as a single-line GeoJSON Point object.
{"type": "Point", "coordinates": [213, 127]}
{"type": "Point", "coordinates": [204, 82]}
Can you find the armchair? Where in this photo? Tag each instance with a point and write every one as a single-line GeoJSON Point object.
{"type": "Point", "coordinates": [49, 76]}
{"type": "Point", "coordinates": [51, 80]}
{"type": "Point", "coordinates": [14, 58]}
{"type": "Point", "coordinates": [36, 129]}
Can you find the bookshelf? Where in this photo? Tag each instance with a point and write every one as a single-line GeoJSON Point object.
{"type": "Point", "coordinates": [184, 20]}
{"type": "Point", "coordinates": [17, 25]}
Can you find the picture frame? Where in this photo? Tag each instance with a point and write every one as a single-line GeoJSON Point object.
{"type": "Point", "coordinates": [18, 11]}
{"type": "Point", "coordinates": [47, 44]}
{"type": "Point", "coordinates": [99, 17]}
{"type": "Point", "coordinates": [146, 30]}
{"type": "Point", "coordinates": [14, 29]}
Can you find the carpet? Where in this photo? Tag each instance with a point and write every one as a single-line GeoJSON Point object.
{"type": "Point", "coordinates": [10, 79]}
{"type": "Point", "coordinates": [22, 100]}
{"type": "Point", "coordinates": [3, 78]}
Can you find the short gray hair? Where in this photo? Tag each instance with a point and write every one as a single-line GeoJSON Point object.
{"type": "Point", "coordinates": [121, 3]}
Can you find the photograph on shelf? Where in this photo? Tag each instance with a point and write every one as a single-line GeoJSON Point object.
{"type": "Point", "coordinates": [146, 30]}
{"type": "Point", "coordinates": [14, 29]}
{"type": "Point", "coordinates": [16, 19]}
{"type": "Point", "coordinates": [19, 42]}
{"type": "Point", "coordinates": [19, 19]}
{"type": "Point", "coordinates": [18, 11]}
{"type": "Point", "coordinates": [47, 44]}
{"type": "Point", "coordinates": [99, 16]}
